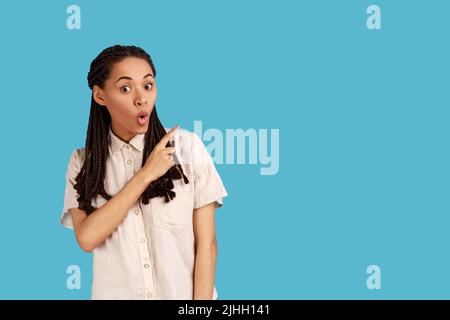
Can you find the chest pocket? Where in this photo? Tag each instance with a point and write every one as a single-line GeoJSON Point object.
{"type": "Point", "coordinates": [174, 215]}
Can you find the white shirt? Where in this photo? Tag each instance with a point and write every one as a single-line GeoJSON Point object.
{"type": "Point", "coordinates": [151, 254]}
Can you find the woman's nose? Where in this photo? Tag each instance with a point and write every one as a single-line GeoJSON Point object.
{"type": "Point", "coordinates": [141, 99]}
{"type": "Point", "coordinates": [141, 102]}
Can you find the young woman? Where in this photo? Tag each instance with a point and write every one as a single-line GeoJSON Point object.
{"type": "Point", "coordinates": [142, 205]}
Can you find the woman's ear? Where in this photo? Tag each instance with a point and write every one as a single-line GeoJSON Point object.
{"type": "Point", "coordinates": [97, 93]}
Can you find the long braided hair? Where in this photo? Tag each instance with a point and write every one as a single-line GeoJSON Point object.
{"type": "Point", "coordinates": [90, 179]}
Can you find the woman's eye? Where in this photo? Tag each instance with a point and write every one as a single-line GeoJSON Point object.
{"type": "Point", "coordinates": [123, 89]}
{"type": "Point", "coordinates": [148, 86]}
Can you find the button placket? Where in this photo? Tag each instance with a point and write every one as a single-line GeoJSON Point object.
{"type": "Point", "coordinates": [130, 167]}
{"type": "Point", "coordinates": [127, 154]}
{"type": "Point", "coordinates": [145, 255]}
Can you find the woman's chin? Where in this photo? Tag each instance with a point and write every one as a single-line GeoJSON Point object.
{"type": "Point", "coordinates": [142, 129]}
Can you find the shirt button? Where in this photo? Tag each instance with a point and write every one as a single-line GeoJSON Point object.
{"type": "Point", "coordinates": [136, 212]}
{"type": "Point", "coordinates": [128, 146]}
{"type": "Point", "coordinates": [142, 240]}
{"type": "Point", "coordinates": [129, 161]}
{"type": "Point", "coordinates": [146, 266]}
{"type": "Point", "coordinates": [149, 295]}
{"type": "Point", "coordinates": [196, 177]}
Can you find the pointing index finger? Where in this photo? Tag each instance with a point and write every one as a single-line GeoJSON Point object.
{"type": "Point", "coordinates": [167, 137]}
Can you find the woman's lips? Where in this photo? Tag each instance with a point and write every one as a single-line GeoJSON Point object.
{"type": "Point", "coordinates": [142, 119]}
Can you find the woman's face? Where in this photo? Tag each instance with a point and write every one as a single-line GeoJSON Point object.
{"type": "Point", "coordinates": [130, 91]}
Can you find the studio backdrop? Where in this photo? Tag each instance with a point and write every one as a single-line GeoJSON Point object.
{"type": "Point", "coordinates": [327, 122]}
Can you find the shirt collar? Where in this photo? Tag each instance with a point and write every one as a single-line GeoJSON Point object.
{"type": "Point", "coordinates": [117, 144]}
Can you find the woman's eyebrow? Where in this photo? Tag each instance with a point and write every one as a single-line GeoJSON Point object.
{"type": "Point", "coordinates": [129, 78]}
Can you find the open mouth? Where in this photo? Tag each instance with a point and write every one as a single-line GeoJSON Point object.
{"type": "Point", "coordinates": [142, 119]}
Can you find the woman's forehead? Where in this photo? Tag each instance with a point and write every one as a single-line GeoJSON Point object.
{"type": "Point", "coordinates": [135, 68]}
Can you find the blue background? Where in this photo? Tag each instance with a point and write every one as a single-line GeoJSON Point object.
{"type": "Point", "coordinates": [363, 118]}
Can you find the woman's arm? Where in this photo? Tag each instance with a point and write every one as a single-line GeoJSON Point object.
{"type": "Point", "coordinates": [92, 230]}
{"type": "Point", "coordinates": [205, 252]}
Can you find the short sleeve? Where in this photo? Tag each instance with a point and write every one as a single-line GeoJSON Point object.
{"type": "Point", "coordinates": [208, 186]}
{"type": "Point", "coordinates": [70, 194]}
